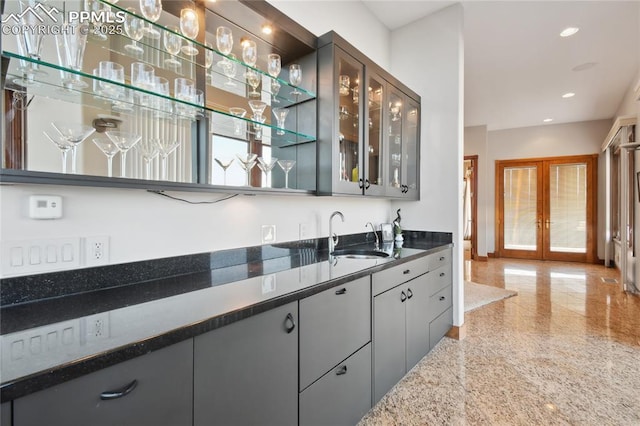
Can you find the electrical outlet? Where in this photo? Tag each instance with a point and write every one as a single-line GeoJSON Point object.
{"type": "Point", "coordinates": [268, 234]}
{"type": "Point", "coordinates": [96, 250]}
{"type": "Point", "coordinates": [303, 229]}
{"type": "Point", "coordinates": [95, 327]}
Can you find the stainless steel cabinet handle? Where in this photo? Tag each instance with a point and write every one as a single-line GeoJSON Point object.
{"type": "Point", "coordinates": [442, 297]}
{"type": "Point", "coordinates": [441, 258]}
{"type": "Point", "coordinates": [341, 370]}
{"type": "Point", "coordinates": [119, 393]}
{"type": "Point", "coordinates": [341, 291]}
{"type": "Point", "coordinates": [442, 274]}
{"type": "Point", "coordinates": [406, 271]}
{"type": "Point", "coordinates": [290, 323]}
{"type": "Point", "coordinates": [403, 296]}
{"type": "Point", "coordinates": [409, 294]}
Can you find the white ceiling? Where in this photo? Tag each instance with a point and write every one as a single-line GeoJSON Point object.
{"type": "Point", "coordinates": [517, 67]}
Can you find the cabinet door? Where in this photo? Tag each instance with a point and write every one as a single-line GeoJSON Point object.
{"type": "Point", "coordinates": [246, 373]}
{"type": "Point", "coordinates": [374, 125]}
{"type": "Point", "coordinates": [411, 149]}
{"type": "Point", "coordinates": [5, 414]}
{"type": "Point", "coordinates": [388, 340]}
{"type": "Point", "coordinates": [333, 325]}
{"type": "Point", "coordinates": [162, 396]}
{"type": "Point", "coordinates": [348, 175]}
{"type": "Point", "coordinates": [417, 320]}
{"type": "Point", "coordinates": [340, 397]}
{"type": "Point", "coordinates": [439, 327]}
{"type": "Point", "coordinates": [395, 136]}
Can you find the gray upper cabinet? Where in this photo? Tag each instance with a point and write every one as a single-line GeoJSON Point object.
{"type": "Point", "coordinates": [245, 373]}
{"type": "Point", "coordinates": [154, 389]}
{"type": "Point", "coordinates": [368, 126]}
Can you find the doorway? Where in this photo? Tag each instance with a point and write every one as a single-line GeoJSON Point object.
{"type": "Point", "coordinates": [470, 208]}
{"type": "Point", "coordinates": [546, 208]}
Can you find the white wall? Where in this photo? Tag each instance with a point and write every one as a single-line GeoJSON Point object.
{"type": "Point", "coordinates": [545, 141]}
{"type": "Point", "coordinates": [437, 75]}
{"type": "Point", "coordinates": [476, 143]}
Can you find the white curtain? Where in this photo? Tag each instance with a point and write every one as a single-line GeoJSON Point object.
{"type": "Point", "coordinates": [466, 203]}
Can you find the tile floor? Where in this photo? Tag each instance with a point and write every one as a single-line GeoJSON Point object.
{"type": "Point", "coordinates": [565, 351]}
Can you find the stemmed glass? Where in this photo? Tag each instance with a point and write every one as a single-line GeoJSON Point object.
{"type": "Point", "coordinates": [274, 65]}
{"type": "Point", "coordinates": [189, 27]}
{"type": "Point", "coordinates": [249, 52]}
{"type": "Point", "coordinates": [63, 145]}
{"type": "Point", "coordinates": [253, 78]}
{"type": "Point", "coordinates": [266, 165]}
{"type": "Point", "coordinates": [124, 141]}
{"type": "Point", "coordinates": [29, 45]}
{"type": "Point", "coordinates": [295, 77]}
{"type": "Point", "coordinates": [166, 146]}
{"type": "Point", "coordinates": [71, 42]}
{"type": "Point", "coordinates": [133, 26]}
{"type": "Point", "coordinates": [109, 149]}
{"type": "Point", "coordinates": [229, 68]}
{"type": "Point", "coordinates": [258, 108]}
{"type": "Point", "coordinates": [247, 162]}
{"type": "Point", "coordinates": [237, 123]}
{"type": "Point", "coordinates": [74, 133]}
{"type": "Point", "coordinates": [224, 163]}
{"type": "Point", "coordinates": [172, 44]}
{"type": "Point", "coordinates": [97, 8]}
{"type": "Point", "coordinates": [208, 60]}
{"type": "Point", "coordinates": [151, 9]}
{"type": "Point", "coordinates": [275, 88]}
{"type": "Point", "coordinates": [224, 43]}
{"type": "Point", "coordinates": [286, 165]}
{"type": "Point", "coordinates": [281, 116]}
{"type": "Point", "coordinates": [148, 149]}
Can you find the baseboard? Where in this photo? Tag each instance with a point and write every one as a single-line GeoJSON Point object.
{"type": "Point", "coordinates": [458, 332]}
{"type": "Point", "coordinates": [482, 258]}
{"type": "Point", "coordinates": [492, 255]}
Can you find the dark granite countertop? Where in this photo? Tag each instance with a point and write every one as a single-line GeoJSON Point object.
{"type": "Point", "coordinates": [144, 306]}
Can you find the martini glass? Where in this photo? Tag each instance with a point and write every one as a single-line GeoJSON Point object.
{"type": "Point", "coordinates": [286, 165]}
{"type": "Point", "coordinates": [74, 133]}
{"type": "Point", "coordinates": [133, 26]}
{"type": "Point", "coordinates": [224, 163]}
{"type": "Point", "coordinates": [258, 108]}
{"type": "Point", "coordinates": [109, 149]}
{"type": "Point", "coordinates": [165, 149]}
{"type": "Point", "coordinates": [63, 145]}
{"type": "Point", "coordinates": [172, 44]}
{"type": "Point", "coordinates": [124, 141]}
{"type": "Point", "coordinates": [247, 162]}
{"type": "Point", "coordinates": [148, 149]}
{"type": "Point", "coordinates": [253, 78]}
{"type": "Point", "coordinates": [281, 116]}
{"type": "Point", "coordinates": [295, 77]}
{"type": "Point", "coordinates": [237, 123]}
{"type": "Point", "coordinates": [151, 9]}
{"type": "Point", "coordinates": [266, 165]}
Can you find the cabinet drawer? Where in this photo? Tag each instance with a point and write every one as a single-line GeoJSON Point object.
{"type": "Point", "coordinates": [163, 395]}
{"type": "Point", "coordinates": [439, 279]}
{"type": "Point", "coordinates": [439, 327]}
{"type": "Point", "coordinates": [440, 302]}
{"type": "Point", "coordinates": [333, 325]}
{"type": "Point", "coordinates": [389, 278]}
{"type": "Point", "coordinates": [439, 259]}
{"type": "Point", "coordinates": [342, 396]}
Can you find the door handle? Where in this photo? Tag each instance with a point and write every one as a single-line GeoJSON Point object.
{"type": "Point", "coordinates": [119, 393]}
{"type": "Point", "coordinates": [290, 323]}
{"type": "Point", "coordinates": [403, 296]}
{"type": "Point", "coordinates": [547, 223]}
{"type": "Point", "coordinates": [539, 223]}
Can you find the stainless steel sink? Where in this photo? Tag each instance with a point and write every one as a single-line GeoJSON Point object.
{"type": "Point", "coordinates": [359, 254]}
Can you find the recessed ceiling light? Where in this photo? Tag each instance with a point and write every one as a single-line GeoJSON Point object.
{"type": "Point", "coordinates": [267, 29]}
{"type": "Point", "coordinates": [548, 120]}
{"type": "Point", "coordinates": [568, 95]}
{"type": "Point", "coordinates": [569, 31]}
{"type": "Point", "coordinates": [585, 66]}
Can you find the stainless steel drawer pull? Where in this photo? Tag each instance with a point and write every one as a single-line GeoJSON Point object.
{"type": "Point", "coordinates": [442, 274]}
{"type": "Point", "coordinates": [341, 291]}
{"type": "Point", "coordinates": [441, 258]}
{"type": "Point", "coordinates": [442, 297]}
{"type": "Point", "coordinates": [290, 323]}
{"type": "Point", "coordinates": [341, 370]}
{"type": "Point", "coordinates": [119, 393]}
{"type": "Point", "coordinates": [409, 294]}
{"type": "Point", "coordinates": [403, 296]}
{"type": "Point", "coordinates": [406, 271]}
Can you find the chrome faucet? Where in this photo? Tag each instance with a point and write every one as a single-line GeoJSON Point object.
{"type": "Point", "coordinates": [375, 234]}
{"type": "Point", "coordinates": [333, 238]}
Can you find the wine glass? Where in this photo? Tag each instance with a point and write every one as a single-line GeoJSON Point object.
{"type": "Point", "coordinates": [295, 77]}
{"type": "Point", "coordinates": [247, 162]}
{"type": "Point", "coordinates": [109, 149]}
{"type": "Point", "coordinates": [253, 78]}
{"type": "Point", "coordinates": [224, 163]}
{"type": "Point", "coordinates": [229, 67]}
{"type": "Point", "coordinates": [151, 9]}
{"type": "Point", "coordinates": [274, 65]}
{"type": "Point", "coordinates": [172, 44]}
{"type": "Point", "coordinates": [124, 141]}
{"type": "Point", "coordinates": [208, 55]}
{"type": "Point", "coordinates": [224, 43]}
{"type": "Point", "coordinates": [258, 108]}
{"type": "Point", "coordinates": [281, 116]}
{"type": "Point", "coordinates": [258, 127]}
{"type": "Point", "coordinates": [275, 88]}
{"type": "Point", "coordinates": [249, 52]}
{"type": "Point", "coordinates": [148, 150]}
{"type": "Point", "coordinates": [63, 145]}
{"type": "Point", "coordinates": [189, 27]}
{"type": "Point", "coordinates": [237, 123]}
{"type": "Point", "coordinates": [96, 8]}
{"type": "Point", "coordinates": [29, 45]}
{"type": "Point", "coordinates": [286, 165]}
{"type": "Point", "coordinates": [75, 133]}
{"type": "Point", "coordinates": [133, 26]}
{"type": "Point", "coordinates": [74, 39]}
{"type": "Point", "coordinates": [266, 165]}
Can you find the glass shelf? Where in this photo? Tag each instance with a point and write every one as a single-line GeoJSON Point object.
{"type": "Point", "coordinates": [48, 83]}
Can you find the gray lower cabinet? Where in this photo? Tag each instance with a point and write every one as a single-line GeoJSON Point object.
{"type": "Point", "coordinates": [245, 373]}
{"type": "Point", "coordinates": [400, 333]}
{"type": "Point", "coordinates": [440, 311]}
{"type": "Point", "coordinates": [154, 389]}
{"type": "Point", "coordinates": [342, 396]}
{"type": "Point", "coordinates": [5, 414]}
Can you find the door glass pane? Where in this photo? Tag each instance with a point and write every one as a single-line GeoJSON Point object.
{"type": "Point", "coordinates": [374, 154]}
{"type": "Point", "coordinates": [395, 140]}
{"type": "Point", "coordinates": [568, 208]}
{"type": "Point", "coordinates": [411, 139]}
{"type": "Point", "coordinates": [348, 118]}
{"type": "Point", "coordinates": [520, 208]}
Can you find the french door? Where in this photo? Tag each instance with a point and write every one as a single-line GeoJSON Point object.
{"type": "Point", "coordinates": [546, 208]}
